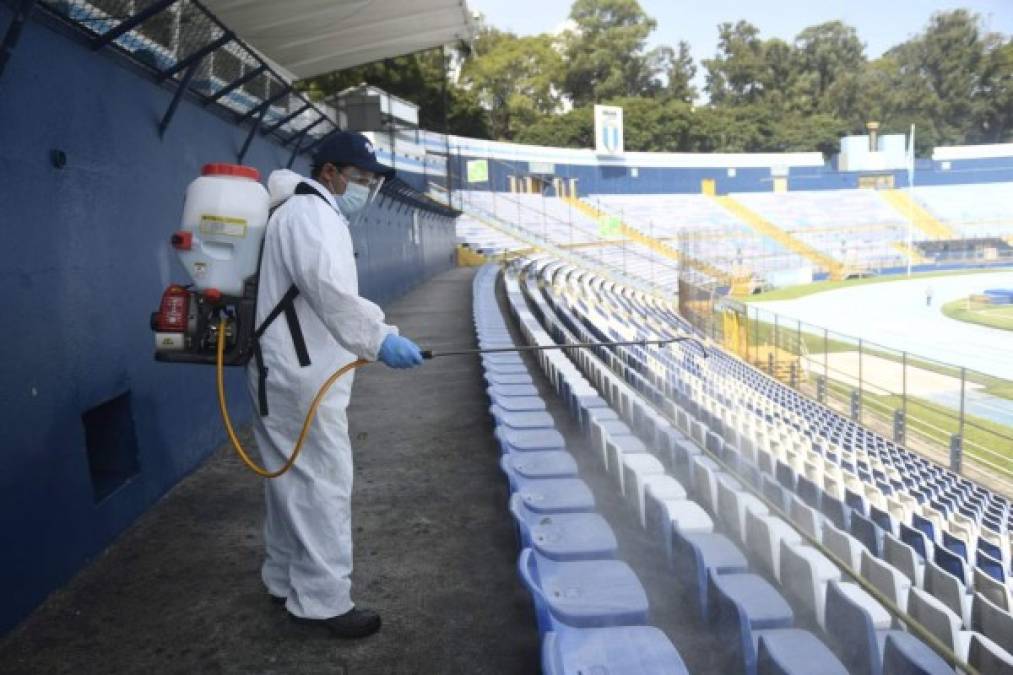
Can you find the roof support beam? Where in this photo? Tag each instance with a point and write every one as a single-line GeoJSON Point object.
{"type": "Point", "coordinates": [236, 84]}
{"type": "Point", "coordinates": [196, 57]}
{"type": "Point", "coordinates": [129, 24]}
{"type": "Point", "coordinates": [184, 84]}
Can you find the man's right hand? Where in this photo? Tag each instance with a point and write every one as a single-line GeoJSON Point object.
{"type": "Point", "coordinates": [399, 352]}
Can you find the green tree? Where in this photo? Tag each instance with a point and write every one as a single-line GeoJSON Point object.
{"type": "Point", "coordinates": [826, 52]}
{"type": "Point", "coordinates": [681, 71]}
{"type": "Point", "coordinates": [735, 74]}
{"type": "Point", "coordinates": [515, 78]}
{"type": "Point", "coordinates": [573, 129]}
{"type": "Point", "coordinates": [605, 52]}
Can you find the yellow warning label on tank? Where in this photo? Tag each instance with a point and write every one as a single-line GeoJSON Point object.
{"type": "Point", "coordinates": [222, 225]}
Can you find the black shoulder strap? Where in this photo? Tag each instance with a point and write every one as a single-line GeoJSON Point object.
{"type": "Point", "coordinates": [286, 305]}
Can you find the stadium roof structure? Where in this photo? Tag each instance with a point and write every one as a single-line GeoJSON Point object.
{"type": "Point", "coordinates": [311, 37]}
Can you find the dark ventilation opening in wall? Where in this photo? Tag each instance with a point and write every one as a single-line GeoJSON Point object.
{"type": "Point", "coordinates": [111, 443]}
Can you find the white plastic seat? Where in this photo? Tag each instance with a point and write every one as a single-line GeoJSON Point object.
{"type": "Point", "coordinates": [843, 545]}
{"type": "Point", "coordinates": [636, 468]}
{"type": "Point", "coordinates": [948, 589]}
{"type": "Point", "coordinates": [904, 558]}
{"type": "Point", "coordinates": [656, 489]}
{"type": "Point", "coordinates": [805, 518]}
{"type": "Point", "coordinates": [886, 578]}
{"type": "Point", "coordinates": [704, 471]}
{"type": "Point", "coordinates": [804, 575]}
{"type": "Point", "coordinates": [939, 620]}
{"type": "Point", "coordinates": [732, 503]}
{"type": "Point", "coordinates": [764, 534]}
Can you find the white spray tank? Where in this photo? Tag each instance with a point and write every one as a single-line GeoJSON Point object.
{"type": "Point", "coordinates": [224, 217]}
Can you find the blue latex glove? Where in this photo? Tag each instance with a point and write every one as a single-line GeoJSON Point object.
{"type": "Point", "coordinates": [399, 352]}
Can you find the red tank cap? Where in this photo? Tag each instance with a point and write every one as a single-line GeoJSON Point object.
{"type": "Point", "coordinates": [213, 294]}
{"type": "Point", "coordinates": [237, 170]}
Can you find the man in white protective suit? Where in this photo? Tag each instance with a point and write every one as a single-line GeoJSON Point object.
{"type": "Point", "coordinates": [308, 278]}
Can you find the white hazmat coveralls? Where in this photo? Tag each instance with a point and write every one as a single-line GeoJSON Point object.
{"type": "Point", "coordinates": [307, 531]}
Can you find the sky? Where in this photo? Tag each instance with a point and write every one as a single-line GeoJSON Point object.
{"type": "Point", "coordinates": [880, 23]}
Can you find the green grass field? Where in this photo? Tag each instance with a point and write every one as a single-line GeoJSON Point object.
{"type": "Point", "coordinates": [983, 314]}
{"type": "Point", "coordinates": [793, 292]}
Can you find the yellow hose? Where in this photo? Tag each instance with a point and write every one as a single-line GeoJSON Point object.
{"type": "Point", "coordinates": [312, 413]}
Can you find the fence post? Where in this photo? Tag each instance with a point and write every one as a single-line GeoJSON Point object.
{"type": "Point", "coordinates": [899, 426]}
{"type": "Point", "coordinates": [826, 357]}
{"type": "Point", "coordinates": [821, 389]}
{"type": "Point", "coordinates": [856, 405]}
{"type": "Point", "coordinates": [903, 395]}
{"type": "Point", "coordinates": [860, 381]}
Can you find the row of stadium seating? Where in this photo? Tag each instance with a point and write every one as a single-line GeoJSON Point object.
{"type": "Point", "coordinates": [847, 490]}
{"type": "Point", "coordinates": [591, 608]}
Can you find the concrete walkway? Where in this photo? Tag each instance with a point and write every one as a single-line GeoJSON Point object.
{"type": "Point", "coordinates": [434, 546]}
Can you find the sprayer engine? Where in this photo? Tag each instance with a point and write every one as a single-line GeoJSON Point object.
{"type": "Point", "coordinates": [187, 322]}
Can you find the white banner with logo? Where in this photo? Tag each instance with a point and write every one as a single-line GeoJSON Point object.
{"type": "Point", "coordinates": [608, 130]}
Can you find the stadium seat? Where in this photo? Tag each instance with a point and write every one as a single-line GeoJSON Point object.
{"type": "Point", "coordinates": [522, 466]}
{"type": "Point", "coordinates": [804, 575]}
{"type": "Point", "coordinates": [857, 627]}
{"type": "Point", "coordinates": [992, 622]}
{"type": "Point", "coordinates": [695, 555]}
{"type": "Point", "coordinates": [764, 536]}
{"type": "Point", "coordinates": [583, 594]}
{"type": "Point", "coordinates": [564, 536]}
{"type": "Point", "coordinates": [795, 652]}
{"type": "Point", "coordinates": [620, 650]}
{"type": "Point", "coordinates": [556, 495]}
{"type": "Point", "coordinates": [988, 657]}
{"type": "Point", "coordinates": [524, 440]}
{"type": "Point", "coordinates": [904, 654]}
{"type": "Point", "coordinates": [656, 488]}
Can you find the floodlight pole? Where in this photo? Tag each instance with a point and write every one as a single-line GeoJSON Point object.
{"type": "Point", "coordinates": [911, 196]}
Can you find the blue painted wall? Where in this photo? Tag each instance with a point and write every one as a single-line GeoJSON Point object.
{"type": "Point", "coordinates": [660, 180]}
{"type": "Point", "coordinates": [83, 263]}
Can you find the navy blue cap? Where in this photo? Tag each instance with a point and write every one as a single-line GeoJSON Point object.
{"type": "Point", "coordinates": [352, 148]}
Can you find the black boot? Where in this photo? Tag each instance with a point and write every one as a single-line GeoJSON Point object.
{"type": "Point", "coordinates": [355, 623]}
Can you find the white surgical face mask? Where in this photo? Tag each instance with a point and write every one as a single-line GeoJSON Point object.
{"type": "Point", "coordinates": [353, 200]}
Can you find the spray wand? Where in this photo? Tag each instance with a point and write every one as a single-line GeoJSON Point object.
{"type": "Point", "coordinates": [338, 374]}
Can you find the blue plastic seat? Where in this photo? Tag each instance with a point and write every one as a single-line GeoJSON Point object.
{"type": "Point", "coordinates": [518, 403]}
{"type": "Point", "coordinates": [527, 440]}
{"type": "Point", "coordinates": [916, 539]}
{"type": "Point", "coordinates": [584, 593]}
{"type": "Point", "coordinates": [535, 419]}
{"type": "Point", "coordinates": [785, 476]}
{"type": "Point", "coordinates": [556, 495]}
{"type": "Point", "coordinates": [955, 544]}
{"type": "Point", "coordinates": [835, 510]}
{"type": "Point", "coordinates": [904, 654]}
{"type": "Point", "coordinates": [743, 605]}
{"type": "Point", "coordinates": [867, 532]}
{"type": "Point", "coordinates": [521, 466]}
{"type": "Point", "coordinates": [854, 637]}
{"type": "Point", "coordinates": [619, 650]}
{"type": "Point", "coordinates": [952, 563]}
{"type": "Point", "coordinates": [695, 554]}
{"type": "Point", "coordinates": [564, 536]}
{"type": "Point", "coordinates": [989, 565]}
{"type": "Point", "coordinates": [881, 518]}
{"type": "Point", "coordinates": [495, 390]}
{"type": "Point", "coordinates": [854, 500]}
{"type": "Point", "coordinates": [508, 378]}
{"type": "Point", "coordinates": [795, 652]}
{"type": "Point", "coordinates": [808, 492]}
{"type": "Point", "coordinates": [924, 525]}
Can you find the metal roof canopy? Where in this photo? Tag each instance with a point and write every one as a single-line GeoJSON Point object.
{"type": "Point", "coordinates": [311, 37]}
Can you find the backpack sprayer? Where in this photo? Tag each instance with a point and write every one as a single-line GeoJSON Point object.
{"type": "Point", "coordinates": [212, 320]}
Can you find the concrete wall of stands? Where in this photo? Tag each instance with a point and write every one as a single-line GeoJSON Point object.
{"type": "Point", "coordinates": [84, 262]}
